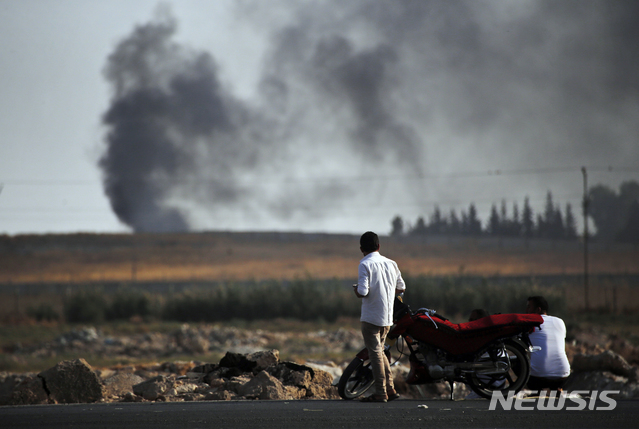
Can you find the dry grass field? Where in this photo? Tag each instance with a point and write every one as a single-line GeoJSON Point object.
{"type": "Point", "coordinates": [258, 256]}
{"type": "Point", "coordinates": [78, 259]}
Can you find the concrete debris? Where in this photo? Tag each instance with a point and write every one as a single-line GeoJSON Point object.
{"type": "Point", "coordinates": [250, 371]}
{"type": "Point", "coordinates": [257, 375]}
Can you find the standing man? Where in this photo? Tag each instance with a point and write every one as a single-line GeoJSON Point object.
{"type": "Point", "coordinates": [549, 366]}
{"type": "Point", "coordinates": [379, 281]}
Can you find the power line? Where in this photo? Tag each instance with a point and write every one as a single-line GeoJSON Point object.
{"type": "Point", "coordinates": [456, 175]}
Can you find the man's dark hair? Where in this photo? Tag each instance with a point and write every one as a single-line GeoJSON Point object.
{"type": "Point", "coordinates": [369, 242]}
{"type": "Point", "coordinates": [478, 313]}
{"type": "Point", "coordinates": [539, 301]}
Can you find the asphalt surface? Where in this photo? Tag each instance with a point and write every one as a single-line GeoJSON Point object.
{"type": "Point", "coordinates": [337, 414]}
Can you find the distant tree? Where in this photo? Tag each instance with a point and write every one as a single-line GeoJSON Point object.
{"type": "Point", "coordinates": [527, 222]}
{"type": "Point", "coordinates": [604, 210]}
{"type": "Point", "coordinates": [397, 226]}
{"type": "Point", "coordinates": [494, 222]}
{"type": "Point", "coordinates": [551, 225]}
{"type": "Point", "coordinates": [570, 228]}
{"type": "Point", "coordinates": [455, 225]}
{"type": "Point", "coordinates": [474, 224]}
{"type": "Point", "coordinates": [557, 230]}
{"type": "Point", "coordinates": [629, 194]}
{"type": "Point", "coordinates": [503, 215]}
{"type": "Point", "coordinates": [465, 224]}
{"type": "Point", "coordinates": [609, 211]}
{"type": "Point", "coordinates": [545, 228]}
{"type": "Point", "coordinates": [630, 232]}
{"type": "Point", "coordinates": [420, 227]}
{"type": "Point", "coordinates": [437, 223]}
{"type": "Point", "coordinates": [541, 230]}
{"type": "Point", "coordinates": [515, 228]}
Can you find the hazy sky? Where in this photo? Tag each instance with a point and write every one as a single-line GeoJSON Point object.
{"type": "Point", "coordinates": [307, 115]}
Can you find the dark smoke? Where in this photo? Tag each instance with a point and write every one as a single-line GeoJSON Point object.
{"type": "Point", "coordinates": [168, 109]}
{"type": "Point", "coordinates": [374, 89]}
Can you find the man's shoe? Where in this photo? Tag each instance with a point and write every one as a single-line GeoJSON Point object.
{"type": "Point", "coordinates": [374, 398]}
{"type": "Point", "coordinates": [393, 396]}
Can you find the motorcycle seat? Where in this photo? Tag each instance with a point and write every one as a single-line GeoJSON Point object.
{"type": "Point", "coordinates": [470, 336]}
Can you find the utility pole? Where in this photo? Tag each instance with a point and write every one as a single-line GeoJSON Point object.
{"type": "Point", "coordinates": [585, 204]}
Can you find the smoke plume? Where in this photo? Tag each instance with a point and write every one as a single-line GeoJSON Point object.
{"type": "Point", "coordinates": [370, 108]}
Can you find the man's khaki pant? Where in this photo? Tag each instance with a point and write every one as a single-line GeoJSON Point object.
{"type": "Point", "coordinates": [374, 337]}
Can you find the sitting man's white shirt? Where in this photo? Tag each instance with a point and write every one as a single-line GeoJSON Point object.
{"type": "Point", "coordinates": [551, 361]}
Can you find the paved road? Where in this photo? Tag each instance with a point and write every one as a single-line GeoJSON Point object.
{"type": "Point", "coordinates": [309, 415]}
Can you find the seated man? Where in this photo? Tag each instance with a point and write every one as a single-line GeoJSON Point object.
{"type": "Point", "coordinates": [477, 313]}
{"type": "Point", "coordinates": [549, 366]}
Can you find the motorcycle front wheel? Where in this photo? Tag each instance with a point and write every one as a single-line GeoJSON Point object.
{"type": "Point", "coordinates": [517, 361]}
{"type": "Point", "coordinates": [356, 379]}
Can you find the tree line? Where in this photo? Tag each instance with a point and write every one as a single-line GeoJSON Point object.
{"type": "Point", "coordinates": [615, 217]}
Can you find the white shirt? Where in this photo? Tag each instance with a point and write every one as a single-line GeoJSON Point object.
{"type": "Point", "coordinates": [378, 278]}
{"type": "Point", "coordinates": [551, 361]}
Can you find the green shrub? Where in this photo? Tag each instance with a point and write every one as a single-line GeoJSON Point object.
{"type": "Point", "coordinates": [85, 307]}
{"type": "Point", "coordinates": [127, 304]}
{"type": "Point", "coordinates": [301, 299]}
{"type": "Point", "coordinates": [310, 300]}
{"type": "Point", "coordinates": [43, 312]}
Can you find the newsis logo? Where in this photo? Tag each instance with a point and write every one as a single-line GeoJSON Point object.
{"type": "Point", "coordinates": [574, 401]}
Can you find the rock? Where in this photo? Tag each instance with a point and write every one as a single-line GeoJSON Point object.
{"type": "Point", "coordinates": [191, 340]}
{"type": "Point", "coordinates": [316, 391]}
{"type": "Point", "coordinates": [606, 361]}
{"type": "Point", "coordinates": [237, 361]}
{"type": "Point", "coordinates": [292, 374]}
{"type": "Point", "coordinates": [321, 377]}
{"type": "Point", "coordinates": [72, 382]}
{"type": "Point", "coordinates": [264, 386]}
{"type": "Point", "coordinates": [235, 383]}
{"type": "Point", "coordinates": [204, 368]}
{"type": "Point", "coordinates": [602, 380]}
{"type": "Point", "coordinates": [264, 359]}
{"type": "Point", "coordinates": [330, 367]}
{"type": "Point", "coordinates": [154, 388]}
{"type": "Point", "coordinates": [120, 384]}
{"type": "Point", "coordinates": [131, 397]}
{"type": "Point", "coordinates": [253, 362]}
{"type": "Point", "coordinates": [190, 397]}
{"type": "Point", "coordinates": [8, 383]}
{"type": "Point", "coordinates": [220, 395]}
{"type": "Point", "coordinates": [177, 367]}
{"type": "Point", "coordinates": [214, 379]}
{"type": "Point", "coordinates": [624, 348]}
{"type": "Point", "coordinates": [28, 391]}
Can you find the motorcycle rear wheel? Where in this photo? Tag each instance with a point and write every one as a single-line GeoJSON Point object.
{"type": "Point", "coordinates": [356, 379]}
{"type": "Point", "coordinates": [514, 379]}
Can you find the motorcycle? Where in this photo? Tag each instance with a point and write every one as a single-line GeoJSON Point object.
{"type": "Point", "coordinates": [489, 354]}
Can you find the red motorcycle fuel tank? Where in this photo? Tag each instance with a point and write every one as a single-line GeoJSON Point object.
{"type": "Point", "coordinates": [466, 337]}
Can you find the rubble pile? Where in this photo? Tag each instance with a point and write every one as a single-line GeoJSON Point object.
{"type": "Point", "coordinates": [258, 375]}
{"type": "Point", "coordinates": [189, 340]}
{"type": "Point", "coordinates": [251, 368]}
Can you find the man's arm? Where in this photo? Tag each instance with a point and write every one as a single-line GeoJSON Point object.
{"type": "Point", "coordinates": [363, 278]}
{"type": "Point", "coordinates": [400, 287]}
{"type": "Point", "coordinates": [359, 295]}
